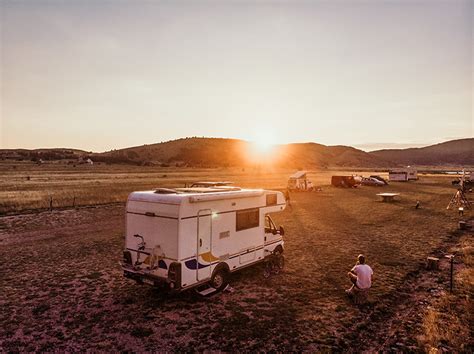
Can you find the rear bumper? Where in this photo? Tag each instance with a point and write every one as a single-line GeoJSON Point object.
{"type": "Point", "coordinates": [143, 278]}
{"type": "Point", "coordinates": [172, 282]}
{"type": "Point", "coordinates": [152, 280]}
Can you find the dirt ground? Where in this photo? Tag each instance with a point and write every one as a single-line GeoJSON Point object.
{"type": "Point", "coordinates": [62, 287]}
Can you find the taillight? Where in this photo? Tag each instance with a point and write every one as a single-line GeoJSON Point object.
{"type": "Point", "coordinates": [127, 257]}
{"type": "Point", "coordinates": [174, 274]}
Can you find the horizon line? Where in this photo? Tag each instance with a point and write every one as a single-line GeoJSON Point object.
{"type": "Point", "coordinates": [367, 147]}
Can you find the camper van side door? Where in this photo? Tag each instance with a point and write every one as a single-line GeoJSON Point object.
{"type": "Point", "coordinates": [204, 234]}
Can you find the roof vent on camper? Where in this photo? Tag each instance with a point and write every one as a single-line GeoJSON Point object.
{"type": "Point", "coordinates": [165, 191]}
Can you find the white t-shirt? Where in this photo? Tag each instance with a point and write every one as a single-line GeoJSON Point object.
{"type": "Point", "coordinates": [364, 275]}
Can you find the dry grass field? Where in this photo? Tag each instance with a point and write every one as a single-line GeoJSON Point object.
{"type": "Point", "coordinates": [28, 186]}
{"type": "Point", "coordinates": [63, 289]}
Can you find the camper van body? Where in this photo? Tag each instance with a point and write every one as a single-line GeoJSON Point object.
{"type": "Point", "coordinates": [180, 238]}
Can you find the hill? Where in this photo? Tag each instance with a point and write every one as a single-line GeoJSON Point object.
{"type": "Point", "coordinates": [454, 152]}
{"type": "Point", "coordinates": [219, 152]}
{"type": "Point", "coordinates": [212, 152]}
{"type": "Point", "coordinates": [43, 154]}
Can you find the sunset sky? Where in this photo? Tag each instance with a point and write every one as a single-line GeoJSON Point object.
{"type": "Point", "coordinates": [98, 75]}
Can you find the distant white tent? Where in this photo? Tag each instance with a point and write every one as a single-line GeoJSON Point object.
{"type": "Point", "coordinates": [299, 181]}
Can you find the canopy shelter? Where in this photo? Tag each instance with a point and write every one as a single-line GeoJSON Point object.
{"type": "Point", "coordinates": [298, 181]}
{"type": "Point", "coordinates": [299, 175]}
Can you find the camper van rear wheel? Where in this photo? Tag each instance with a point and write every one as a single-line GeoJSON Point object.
{"type": "Point", "coordinates": [220, 279]}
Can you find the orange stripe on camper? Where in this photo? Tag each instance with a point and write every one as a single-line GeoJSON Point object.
{"type": "Point", "coordinates": [208, 257]}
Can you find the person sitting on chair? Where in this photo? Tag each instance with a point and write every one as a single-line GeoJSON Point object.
{"type": "Point", "coordinates": [360, 276]}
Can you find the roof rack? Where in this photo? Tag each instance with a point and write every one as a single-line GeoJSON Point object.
{"type": "Point", "coordinates": [206, 196]}
{"type": "Point", "coordinates": [208, 189]}
{"type": "Point", "coordinates": [206, 184]}
{"type": "Point", "coordinates": [165, 191]}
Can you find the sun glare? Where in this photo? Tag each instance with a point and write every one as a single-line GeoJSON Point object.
{"type": "Point", "coordinates": [262, 148]}
{"type": "Point", "coordinates": [264, 145]}
{"type": "Point", "coordinates": [263, 142]}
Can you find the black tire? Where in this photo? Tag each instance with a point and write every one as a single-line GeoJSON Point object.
{"type": "Point", "coordinates": [267, 269]}
{"type": "Point", "coordinates": [275, 268]}
{"type": "Point", "coordinates": [278, 250]}
{"type": "Point", "coordinates": [280, 261]}
{"type": "Point", "coordinates": [220, 279]}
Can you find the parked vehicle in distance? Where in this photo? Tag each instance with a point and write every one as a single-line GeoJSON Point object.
{"type": "Point", "coordinates": [403, 174]}
{"type": "Point", "coordinates": [195, 237]}
{"type": "Point", "coordinates": [370, 181]}
{"type": "Point", "coordinates": [345, 181]}
{"type": "Point", "coordinates": [467, 182]}
{"type": "Point", "coordinates": [300, 182]}
{"type": "Point", "coordinates": [381, 179]}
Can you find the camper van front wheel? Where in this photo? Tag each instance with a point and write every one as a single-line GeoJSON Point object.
{"type": "Point", "coordinates": [280, 261]}
{"type": "Point", "coordinates": [278, 250]}
{"type": "Point", "coordinates": [220, 279]}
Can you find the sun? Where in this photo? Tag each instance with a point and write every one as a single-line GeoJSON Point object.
{"type": "Point", "coordinates": [262, 149]}
{"type": "Point", "coordinates": [263, 142]}
{"type": "Point", "coordinates": [264, 145]}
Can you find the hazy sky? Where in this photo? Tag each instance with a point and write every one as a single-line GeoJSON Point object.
{"type": "Point", "coordinates": [98, 74]}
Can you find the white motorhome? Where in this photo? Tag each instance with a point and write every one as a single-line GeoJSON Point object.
{"type": "Point", "coordinates": [186, 237]}
{"type": "Point", "coordinates": [397, 176]}
{"type": "Point", "coordinates": [403, 174]}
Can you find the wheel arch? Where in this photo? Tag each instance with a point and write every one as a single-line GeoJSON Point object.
{"type": "Point", "coordinates": [221, 266]}
{"type": "Point", "coordinates": [278, 249]}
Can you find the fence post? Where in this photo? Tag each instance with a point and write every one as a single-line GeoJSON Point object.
{"type": "Point", "coordinates": [50, 203]}
{"type": "Point", "coordinates": [451, 271]}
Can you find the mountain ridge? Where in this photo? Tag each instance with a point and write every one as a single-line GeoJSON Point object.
{"type": "Point", "coordinates": [459, 151]}
{"type": "Point", "coordinates": [226, 152]}
{"type": "Point", "coordinates": [223, 152]}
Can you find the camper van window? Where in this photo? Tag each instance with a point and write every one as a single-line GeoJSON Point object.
{"type": "Point", "coordinates": [269, 225]}
{"type": "Point", "coordinates": [271, 199]}
{"type": "Point", "coordinates": [247, 219]}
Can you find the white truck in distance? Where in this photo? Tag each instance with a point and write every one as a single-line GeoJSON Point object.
{"type": "Point", "coordinates": [195, 237]}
